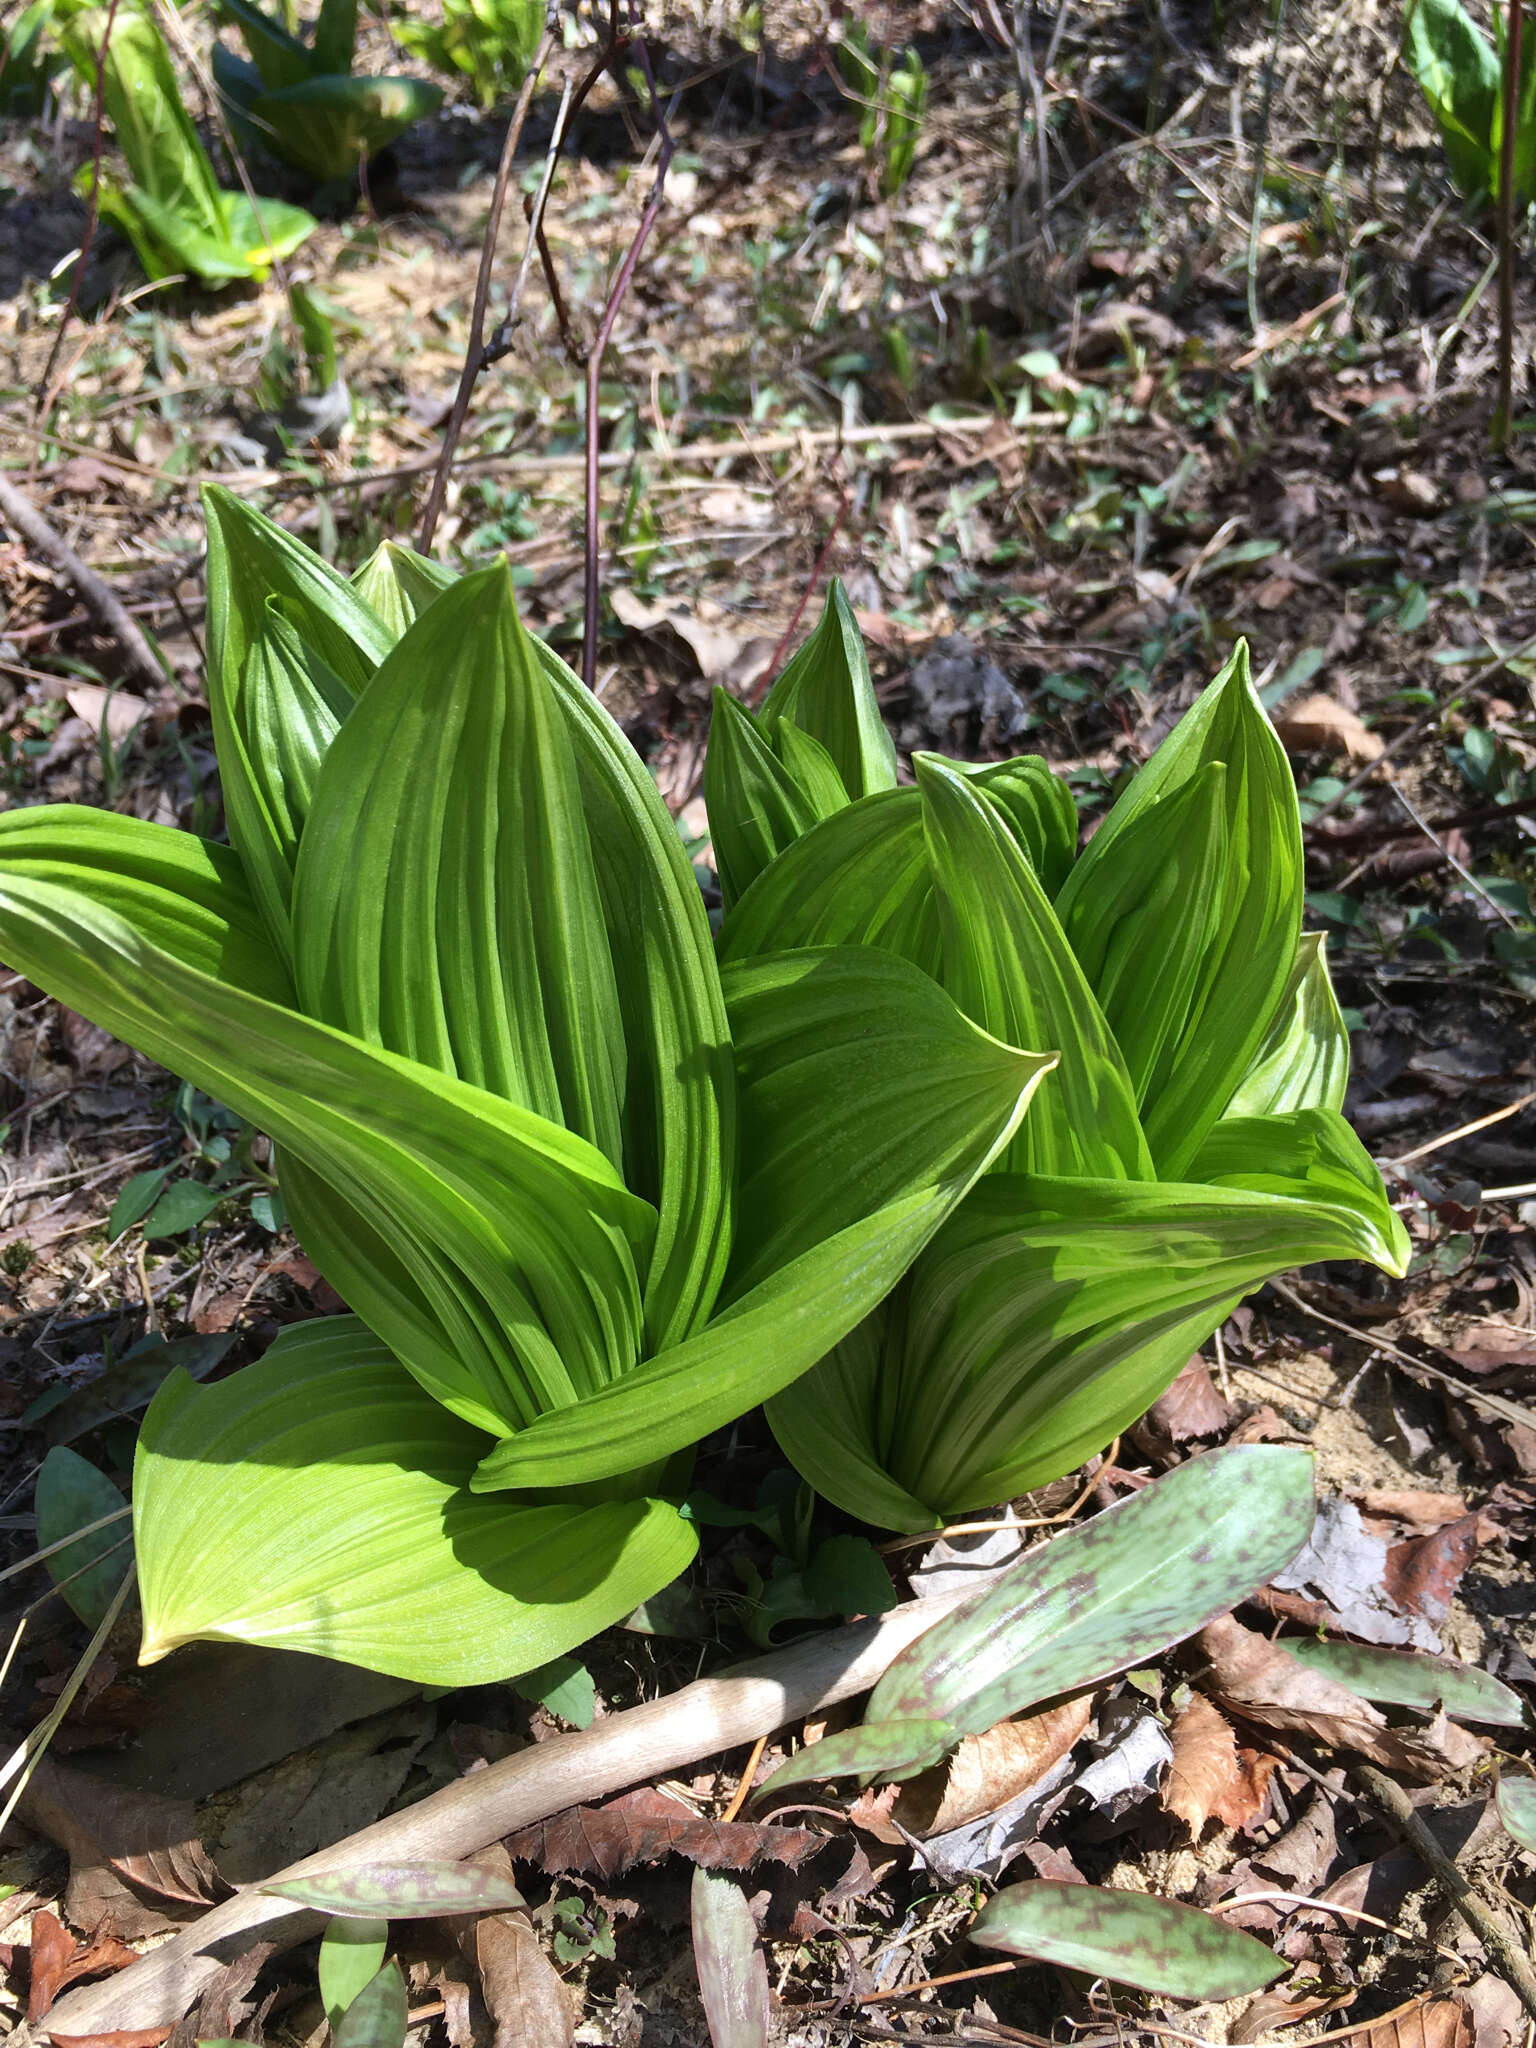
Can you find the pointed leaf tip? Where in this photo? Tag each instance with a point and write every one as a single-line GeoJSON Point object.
{"type": "Point", "coordinates": [1128, 1937]}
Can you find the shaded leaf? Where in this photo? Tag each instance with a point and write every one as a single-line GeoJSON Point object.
{"type": "Point", "coordinates": [377, 2016]}
{"type": "Point", "coordinates": [71, 1494]}
{"type": "Point", "coordinates": [1128, 1937]}
{"type": "Point", "coordinates": [565, 1687]}
{"type": "Point", "coordinates": [733, 1973]}
{"type": "Point", "coordinates": [351, 1956]}
{"type": "Point", "coordinates": [1516, 1798]}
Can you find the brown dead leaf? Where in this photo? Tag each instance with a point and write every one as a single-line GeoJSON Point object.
{"type": "Point", "coordinates": [124, 2037]}
{"type": "Point", "coordinates": [523, 1992]}
{"type": "Point", "coordinates": [723, 654]}
{"type": "Point", "coordinates": [1321, 725]}
{"type": "Point", "coordinates": [1422, 1574]}
{"type": "Point", "coordinates": [58, 1959]}
{"type": "Point", "coordinates": [988, 1770]}
{"type": "Point", "coordinates": [1248, 1798]}
{"type": "Point", "coordinates": [1498, 2018]}
{"type": "Point", "coordinates": [1407, 490]}
{"type": "Point", "coordinates": [1278, 2009]}
{"type": "Point", "coordinates": [1436, 2023]}
{"type": "Point", "coordinates": [1261, 1682]}
{"type": "Point", "coordinates": [122, 1844]}
{"type": "Point", "coordinates": [871, 1811]}
{"type": "Point", "coordinates": [226, 2004]}
{"type": "Point", "coordinates": [1409, 1504]}
{"type": "Point", "coordinates": [644, 1826]}
{"type": "Point", "coordinates": [1191, 1408]}
{"type": "Point", "coordinates": [121, 709]}
{"type": "Point", "coordinates": [1203, 1768]}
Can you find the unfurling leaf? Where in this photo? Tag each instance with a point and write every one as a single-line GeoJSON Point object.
{"type": "Point", "coordinates": [1128, 1937]}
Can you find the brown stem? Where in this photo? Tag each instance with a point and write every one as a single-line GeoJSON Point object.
{"type": "Point", "coordinates": [23, 517]}
{"type": "Point", "coordinates": [1503, 411]}
{"type": "Point", "coordinates": [474, 353]}
{"type": "Point", "coordinates": [45, 390]}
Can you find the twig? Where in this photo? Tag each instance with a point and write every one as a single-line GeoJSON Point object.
{"type": "Point", "coordinates": [1446, 854]}
{"type": "Point", "coordinates": [45, 390]}
{"type": "Point", "coordinates": [744, 1783]}
{"type": "Point", "coordinates": [616, 296]}
{"type": "Point", "coordinates": [474, 352]}
{"type": "Point", "coordinates": [1494, 1116]}
{"type": "Point", "coordinates": [622, 1749]}
{"type": "Point", "coordinates": [1261, 149]}
{"type": "Point", "coordinates": [1512, 1961]}
{"type": "Point", "coordinates": [22, 515]}
{"type": "Point", "coordinates": [501, 341]}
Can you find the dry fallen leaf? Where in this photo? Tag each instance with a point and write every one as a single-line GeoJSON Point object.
{"type": "Point", "coordinates": [1258, 1680]}
{"type": "Point", "coordinates": [644, 1826]}
{"type": "Point", "coordinates": [1436, 2023]}
{"type": "Point", "coordinates": [1320, 725]}
{"type": "Point", "coordinates": [121, 1844]}
{"type": "Point", "coordinates": [121, 709]}
{"type": "Point", "coordinates": [58, 1959]}
{"type": "Point", "coordinates": [1192, 1407]}
{"type": "Point", "coordinates": [724, 655]}
{"type": "Point", "coordinates": [989, 1770]}
{"type": "Point", "coordinates": [1204, 1767]}
{"type": "Point", "coordinates": [1422, 1575]}
{"type": "Point", "coordinates": [523, 1991]}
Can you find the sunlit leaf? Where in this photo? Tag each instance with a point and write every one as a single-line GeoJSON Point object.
{"type": "Point", "coordinates": [1128, 1937]}
{"type": "Point", "coordinates": [1303, 1062]}
{"type": "Point", "coordinates": [316, 1501]}
{"type": "Point", "coordinates": [828, 692]}
{"type": "Point", "coordinates": [1516, 1800]}
{"type": "Point", "coordinates": [885, 1749]}
{"type": "Point", "coordinates": [398, 584]}
{"type": "Point", "coordinates": [1408, 1678]}
{"type": "Point", "coordinates": [400, 1891]}
{"type": "Point", "coordinates": [756, 806]}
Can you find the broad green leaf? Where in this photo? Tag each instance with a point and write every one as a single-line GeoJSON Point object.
{"type": "Point", "coordinates": [887, 1750]}
{"type": "Point", "coordinates": [1407, 1678]}
{"type": "Point", "coordinates": [1516, 1801]}
{"type": "Point", "coordinates": [136, 1199]}
{"type": "Point", "coordinates": [335, 35]}
{"type": "Point", "coordinates": [1128, 1937]}
{"type": "Point", "coordinates": [756, 807]}
{"type": "Point", "coordinates": [400, 1891]}
{"type": "Point", "coordinates": [1047, 1315]}
{"type": "Point", "coordinates": [328, 125]}
{"type": "Point", "coordinates": [816, 1255]}
{"type": "Point", "coordinates": [828, 692]}
{"type": "Point", "coordinates": [1303, 1062]}
{"type": "Point", "coordinates": [859, 1082]}
{"type": "Point", "coordinates": [1110, 1593]}
{"type": "Point", "coordinates": [316, 1501]}
{"type": "Point", "coordinates": [263, 231]}
{"type": "Point", "coordinates": [1038, 806]}
{"type": "Point", "coordinates": [143, 100]}
{"type": "Point", "coordinates": [679, 1108]}
{"type": "Point", "coordinates": [182, 895]}
{"type": "Point", "coordinates": [71, 1494]}
{"type": "Point", "coordinates": [446, 904]}
{"type": "Point", "coordinates": [351, 1955]}
{"type": "Point", "coordinates": [252, 559]}
{"type": "Point", "coordinates": [1457, 70]}
{"type": "Point", "coordinates": [399, 584]}
{"type": "Point", "coordinates": [497, 1254]}
{"type": "Point", "coordinates": [280, 58]}
{"type": "Point", "coordinates": [277, 720]}
{"type": "Point", "coordinates": [1008, 966]}
{"type": "Point", "coordinates": [184, 1205]}
{"type": "Point", "coordinates": [565, 1687]}
{"type": "Point", "coordinates": [1140, 893]}
{"type": "Point", "coordinates": [379, 2015]}
{"type": "Point", "coordinates": [167, 240]}
{"type": "Point", "coordinates": [733, 1974]}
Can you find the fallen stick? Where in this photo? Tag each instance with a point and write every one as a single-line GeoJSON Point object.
{"type": "Point", "coordinates": [23, 517]}
{"type": "Point", "coordinates": [622, 1749]}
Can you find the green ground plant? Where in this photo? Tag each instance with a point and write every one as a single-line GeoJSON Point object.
{"type": "Point", "coordinates": [298, 97]}
{"type": "Point", "coordinates": [1459, 69]}
{"type": "Point", "coordinates": [29, 63]}
{"type": "Point", "coordinates": [172, 209]}
{"type": "Point", "coordinates": [1189, 1145]}
{"type": "Point", "coordinates": [487, 43]}
{"type": "Point", "coordinates": [589, 1196]}
{"type": "Point", "coordinates": [893, 95]}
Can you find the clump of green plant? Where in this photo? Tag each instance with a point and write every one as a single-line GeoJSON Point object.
{"type": "Point", "coordinates": [29, 63]}
{"type": "Point", "coordinates": [589, 1195]}
{"type": "Point", "coordinates": [1188, 1146]}
{"type": "Point", "coordinates": [299, 98]}
{"type": "Point", "coordinates": [172, 209]}
{"type": "Point", "coordinates": [488, 43]}
{"type": "Point", "coordinates": [1459, 72]}
{"type": "Point", "coordinates": [893, 94]}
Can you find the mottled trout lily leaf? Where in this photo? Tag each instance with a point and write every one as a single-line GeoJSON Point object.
{"type": "Point", "coordinates": [1128, 1937]}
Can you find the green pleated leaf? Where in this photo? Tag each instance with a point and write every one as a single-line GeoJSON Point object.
{"type": "Point", "coordinates": [828, 692]}
{"type": "Point", "coordinates": [277, 719]}
{"type": "Point", "coordinates": [1303, 1061]}
{"type": "Point", "coordinates": [859, 1082]}
{"type": "Point", "coordinates": [183, 895]}
{"type": "Point", "coordinates": [251, 559]}
{"type": "Point", "coordinates": [1008, 965]}
{"type": "Point", "coordinates": [316, 1501]}
{"type": "Point", "coordinates": [679, 1106]}
{"type": "Point", "coordinates": [1128, 1937]}
{"type": "Point", "coordinates": [143, 100]}
{"type": "Point", "coordinates": [756, 806]}
{"type": "Point", "coordinates": [1039, 808]}
{"type": "Point", "coordinates": [835, 1426]}
{"type": "Point", "coordinates": [446, 904]}
{"type": "Point", "coordinates": [398, 584]}
{"type": "Point", "coordinates": [262, 231]}
{"type": "Point", "coordinates": [887, 1750]}
{"type": "Point", "coordinates": [1516, 1801]}
{"type": "Point", "coordinates": [496, 1253]}
{"type": "Point", "coordinates": [1110, 1593]}
{"type": "Point", "coordinates": [1408, 1678]}
{"type": "Point", "coordinates": [280, 58]}
{"type": "Point", "coordinates": [1155, 885]}
{"type": "Point", "coordinates": [812, 767]}
{"type": "Point", "coordinates": [841, 1186]}
{"type": "Point", "coordinates": [1047, 1315]}
{"type": "Point", "coordinates": [401, 1891]}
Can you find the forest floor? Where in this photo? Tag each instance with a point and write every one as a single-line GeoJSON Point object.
{"type": "Point", "coordinates": [1230, 374]}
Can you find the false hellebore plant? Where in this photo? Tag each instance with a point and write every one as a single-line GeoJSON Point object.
{"type": "Point", "coordinates": [1189, 1144]}
{"type": "Point", "coordinates": [589, 1195]}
